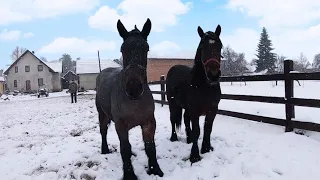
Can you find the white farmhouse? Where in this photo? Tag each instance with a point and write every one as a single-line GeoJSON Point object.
{"type": "Point", "coordinates": [28, 73]}
{"type": "Point", "coordinates": [88, 70]}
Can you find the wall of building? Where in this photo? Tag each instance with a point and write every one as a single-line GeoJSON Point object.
{"type": "Point", "coordinates": [33, 75]}
{"type": "Point", "coordinates": [88, 81]}
{"type": "Point", "coordinates": [156, 68]}
{"type": "Point", "coordinates": [56, 82]}
{"type": "Point", "coordinates": [1, 87]}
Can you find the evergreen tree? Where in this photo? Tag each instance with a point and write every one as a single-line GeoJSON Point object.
{"type": "Point", "coordinates": [66, 63]}
{"type": "Point", "coordinates": [316, 61]}
{"type": "Point", "coordinates": [265, 58]}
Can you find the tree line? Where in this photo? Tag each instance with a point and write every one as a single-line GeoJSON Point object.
{"type": "Point", "coordinates": [234, 63]}
{"type": "Point", "coordinates": [266, 60]}
{"type": "Point", "coordinates": [273, 63]}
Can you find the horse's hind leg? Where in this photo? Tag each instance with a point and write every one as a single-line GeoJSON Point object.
{"type": "Point", "coordinates": [206, 144]}
{"type": "Point", "coordinates": [125, 151]}
{"type": "Point", "coordinates": [187, 125]}
{"type": "Point", "coordinates": [148, 131]}
{"type": "Point", "coordinates": [175, 118]}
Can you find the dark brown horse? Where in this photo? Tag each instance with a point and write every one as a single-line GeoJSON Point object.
{"type": "Point", "coordinates": [197, 90]}
{"type": "Point", "coordinates": [123, 96]}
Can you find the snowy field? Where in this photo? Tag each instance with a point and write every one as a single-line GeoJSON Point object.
{"type": "Point", "coordinates": [50, 138]}
{"type": "Point", "coordinates": [308, 89]}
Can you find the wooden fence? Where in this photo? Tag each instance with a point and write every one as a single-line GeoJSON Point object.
{"type": "Point", "coordinates": [288, 77]}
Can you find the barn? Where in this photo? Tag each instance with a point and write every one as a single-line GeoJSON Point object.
{"type": "Point", "coordinates": [88, 70]}
{"type": "Point", "coordinates": [160, 66]}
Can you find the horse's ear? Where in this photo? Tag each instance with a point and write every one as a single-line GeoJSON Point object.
{"type": "Point", "coordinates": [200, 32]}
{"type": "Point", "coordinates": [122, 30]}
{"type": "Point", "coordinates": [218, 30]}
{"type": "Point", "coordinates": [146, 29]}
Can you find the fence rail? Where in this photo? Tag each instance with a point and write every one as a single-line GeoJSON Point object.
{"type": "Point", "coordinates": [288, 100]}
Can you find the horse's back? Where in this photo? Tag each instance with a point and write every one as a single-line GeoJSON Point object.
{"type": "Point", "coordinates": [177, 80]}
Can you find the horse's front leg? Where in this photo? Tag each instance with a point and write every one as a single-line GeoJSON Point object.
{"type": "Point", "coordinates": [206, 144]}
{"type": "Point", "coordinates": [125, 151]}
{"type": "Point", "coordinates": [187, 125]}
{"type": "Point", "coordinates": [195, 133]}
{"type": "Point", "coordinates": [148, 131]}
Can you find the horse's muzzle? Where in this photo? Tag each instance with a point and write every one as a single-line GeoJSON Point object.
{"type": "Point", "coordinates": [213, 77]}
{"type": "Point", "coordinates": [134, 88]}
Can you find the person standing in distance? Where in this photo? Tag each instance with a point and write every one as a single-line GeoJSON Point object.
{"type": "Point", "coordinates": [73, 89]}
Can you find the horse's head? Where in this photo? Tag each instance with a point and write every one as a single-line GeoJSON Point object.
{"type": "Point", "coordinates": [134, 51]}
{"type": "Point", "coordinates": [210, 50]}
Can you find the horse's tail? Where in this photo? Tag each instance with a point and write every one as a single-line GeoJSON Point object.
{"type": "Point", "coordinates": [178, 121]}
{"type": "Point", "coordinates": [176, 110]}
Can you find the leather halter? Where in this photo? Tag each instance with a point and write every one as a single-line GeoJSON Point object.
{"type": "Point", "coordinates": [215, 60]}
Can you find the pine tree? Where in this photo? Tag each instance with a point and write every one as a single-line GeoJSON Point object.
{"type": "Point", "coordinates": [266, 58]}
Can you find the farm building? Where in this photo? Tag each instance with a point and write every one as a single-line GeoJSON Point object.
{"type": "Point", "coordinates": [28, 73]}
{"type": "Point", "coordinates": [88, 70]}
{"type": "Point", "coordinates": [2, 85]}
{"type": "Point", "coordinates": [67, 78]}
{"type": "Point", "coordinates": [161, 66]}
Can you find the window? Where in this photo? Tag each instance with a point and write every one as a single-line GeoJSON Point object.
{"type": "Point", "coordinates": [16, 69]}
{"type": "Point", "coordinates": [15, 84]}
{"type": "Point", "coordinates": [40, 82]}
{"type": "Point", "coordinates": [40, 67]}
{"type": "Point", "coordinates": [27, 68]}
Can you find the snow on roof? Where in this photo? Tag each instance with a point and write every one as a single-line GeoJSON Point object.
{"type": "Point", "coordinates": [92, 66]}
{"type": "Point", "coordinates": [56, 66]}
{"type": "Point", "coordinates": [2, 79]}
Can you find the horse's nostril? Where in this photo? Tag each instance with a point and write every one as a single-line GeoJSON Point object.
{"type": "Point", "coordinates": [134, 88]}
{"type": "Point", "coordinates": [214, 72]}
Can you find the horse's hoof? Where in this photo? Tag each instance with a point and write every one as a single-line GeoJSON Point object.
{"type": "Point", "coordinates": [155, 170]}
{"type": "Point", "coordinates": [105, 151]}
{"type": "Point", "coordinates": [130, 176]}
{"type": "Point", "coordinates": [188, 140]}
{"type": "Point", "coordinates": [174, 138]}
{"type": "Point", "coordinates": [194, 159]}
{"type": "Point", "coordinates": [206, 149]}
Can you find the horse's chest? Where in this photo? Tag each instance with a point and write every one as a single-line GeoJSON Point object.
{"type": "Point", "coordinates": [203, 100]}
{"type": "Point", "coordinates": [133, 109]}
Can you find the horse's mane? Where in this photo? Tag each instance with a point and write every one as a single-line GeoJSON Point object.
{"type": "Point", "coordinates": [197, 71]}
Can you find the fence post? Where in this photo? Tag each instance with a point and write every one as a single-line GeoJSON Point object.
{"type": "Point", "coordinates": [162, 87]}
{"type": "Point", "coordinates": [288, 66]}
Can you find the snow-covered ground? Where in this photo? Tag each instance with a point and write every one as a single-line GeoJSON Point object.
{"type": "Point", "coordinates": [21, 97]}
{"type": "Point", "coordinates": [308, 89]}
{"type": "Point", "coordinates": [50, 138]}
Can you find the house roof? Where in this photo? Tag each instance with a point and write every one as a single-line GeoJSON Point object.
{"type": "Point", "coordinates": [69, 72]}
{"type": "Point", "coordinates": [56, 66]}
{"type": "Point", "coordinates": [92, 66]}
{"type": "Point", "coordinates": [2, 79]}
{"type": "Point", "coordinates": [22, 55]}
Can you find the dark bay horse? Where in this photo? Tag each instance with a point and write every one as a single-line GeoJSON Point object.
{"type": "Point", "coordinates": [124, 97]}
{"type": "Point", "coordinates": [197, 90]}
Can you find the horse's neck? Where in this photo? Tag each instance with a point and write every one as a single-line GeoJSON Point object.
{"type": "Point", "coordinates": [198, 76]}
